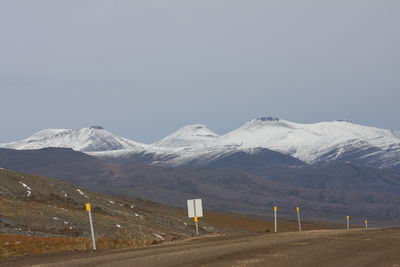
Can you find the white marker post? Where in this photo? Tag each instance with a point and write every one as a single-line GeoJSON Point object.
{"type": "Point", "coordinates": [275, 219]}
{"type": "Point", "coordinates": [348, 222]}
{"type": "Point", "coordinates": [195, 210]}
{"type": "Point", "coordinates": [366, 224]}
{"type": "Point", "coordinates": [88, 209]}
{"type": "Point", "coordinates": [298, 217]}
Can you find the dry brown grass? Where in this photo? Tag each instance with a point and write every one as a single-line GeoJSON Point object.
{"type": "Point", "coordinates": [240, 223]}
{"type": "Point", "coordinates": [18, 245]}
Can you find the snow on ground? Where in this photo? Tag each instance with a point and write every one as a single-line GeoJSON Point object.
{"type": "Point", "coordinates": [58, 219]}
{"type": "Point", "coordinates": [139, 215]}
{"type": "Point", "coordinates": [158, 236]}
{"type": "Point", "coordinates": [81, 193]}
{"type": "Point", "coordinates": [28, 189]}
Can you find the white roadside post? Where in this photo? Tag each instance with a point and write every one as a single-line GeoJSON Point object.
{"type": "Point", "coordinates": [275, 219]}
{"type": "Point", "coordinates": [88, 209]}
{"type": "Point", "coordinates": [195, 210]}
{"type": "Point", "coordinates": [348, 222]}
{"type": "Point", "coordinates": [298, 217]}
{"type": "Point", "coordinates": [366, 224]}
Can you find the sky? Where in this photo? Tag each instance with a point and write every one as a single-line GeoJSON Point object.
{"type": "Point", "coordinates": [144, 68]}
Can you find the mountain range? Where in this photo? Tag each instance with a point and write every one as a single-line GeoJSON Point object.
{"type": "Point", "coordinates": [330, 168]}
{"type": "Point", "coordinates": [196, 145]}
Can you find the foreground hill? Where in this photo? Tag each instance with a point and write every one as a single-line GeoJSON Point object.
{"type": "Point", "coordinates": [36, 205]}
{"type": "Point", "coordinates": [325, 192]}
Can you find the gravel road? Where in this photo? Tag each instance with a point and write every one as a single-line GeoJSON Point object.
{"type": "Point", "coordinates": [373, 247]}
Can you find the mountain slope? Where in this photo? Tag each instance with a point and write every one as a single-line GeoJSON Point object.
{"type": "Point", "coordinates": [324, 191]}
{"type": "Point", "coordinates": [95, 138]}
{"type": "Point", "coordinates": [206, 156]}
{"type": "Point", "coordinates": [36, 205]}
{"type": "Point", "coordinates": [190, 135]}
{"type": "Point", "coordinates": [196, 144]}
{"type": "Point", "coordinates": [320, 142]}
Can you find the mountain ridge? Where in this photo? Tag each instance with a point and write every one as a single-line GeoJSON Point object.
{"type": "Point", "coordinates": [311, 143]}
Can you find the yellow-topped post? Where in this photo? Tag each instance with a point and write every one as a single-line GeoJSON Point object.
{"type": "Point", "coordinates": [196, 220]}
{"type": "Point", "coordinates": [298, 217]}
{"type": "Point", "coordinates": [89, 210]}
{"type": "Point", "coordinates": [275, 219]}
{"type": "Point", "coordinates": [348, 222]}
{"type": "Point", "coordinates": [366, 224]}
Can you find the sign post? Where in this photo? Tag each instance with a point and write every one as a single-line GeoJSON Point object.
{"type": "Point", "coordinates": [275, 219]}
{"type": "Point", "coordinates": [366, 224]}
{"type": "Point", "coordinates": [298, 217]}
{"type": "Point", "coordinates": [196, 220]}
{"type": "Point", "coordinates": [88, 209]}
{"type": "Point", "coordinates": [195, 210]}
{"type": "Point", "coordinates": [348, 222]}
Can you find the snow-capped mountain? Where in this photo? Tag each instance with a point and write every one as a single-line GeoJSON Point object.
{"type": "Point", "coordinates": [196, 144]}
{"type": "Point", "coordinates": [94, 138]}
{"type": "Point", "coordinates": [191, 135]}
{"type": "Point", "coordinates": [318, 141]}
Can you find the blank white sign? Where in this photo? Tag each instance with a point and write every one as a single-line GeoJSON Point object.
{"type": "Point", "coordinates": [195, 208]}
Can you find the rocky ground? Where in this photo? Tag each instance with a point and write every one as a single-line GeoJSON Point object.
{"type": "Point", "coordinates": [40, 206]}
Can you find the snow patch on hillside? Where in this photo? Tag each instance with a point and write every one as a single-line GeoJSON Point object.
{"type": "Point", "coordinates": [81, 193]}
{"type": "Point", "coordinates": [28, 189]}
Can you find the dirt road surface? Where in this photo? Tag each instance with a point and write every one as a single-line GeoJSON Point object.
{"type": "Point", "coordinates": [373, 247]}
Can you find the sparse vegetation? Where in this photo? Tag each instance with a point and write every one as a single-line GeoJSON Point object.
{"type": "Point", "coordinates": [18, 245]}
{"type": "Point", "coordinates": [54, 213]}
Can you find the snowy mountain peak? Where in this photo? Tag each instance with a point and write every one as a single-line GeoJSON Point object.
{"type": "Point", "coordinates": [191, 135]}
{"type": "Point", "coordinates": [265, 122]}
{"type": "Point", "coordinates": [316, 141]}
{"type": "Point", "coordinates": [267, 119]}
{"type": "Point", "coordinates": [348, 121]}
{"type": "Point", "coordinates": [94, 138]}
{"type": "Point", "coordinates": [311, 143]}
{"type": "Point", "coordinates": [96, 127]}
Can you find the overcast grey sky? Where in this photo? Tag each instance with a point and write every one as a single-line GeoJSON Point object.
{"type": "Point", "coordinates": [144, 68]}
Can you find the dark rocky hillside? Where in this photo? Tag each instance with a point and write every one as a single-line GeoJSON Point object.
{"type": "Point", "coordinates": [325, 192]}
{"type": "Point", "coordinates": [36, 205]}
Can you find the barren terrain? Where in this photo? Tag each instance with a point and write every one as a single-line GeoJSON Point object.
{"type": "Point", "coordinates": [358, 247]}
